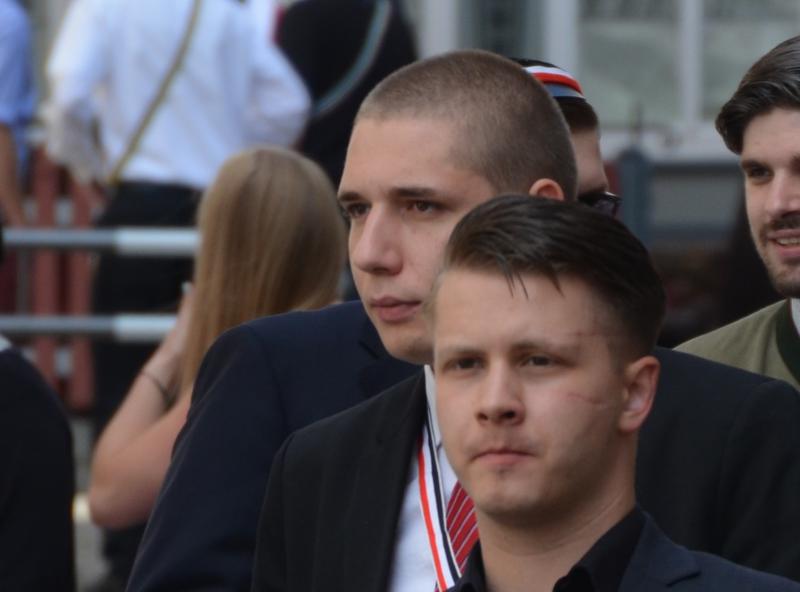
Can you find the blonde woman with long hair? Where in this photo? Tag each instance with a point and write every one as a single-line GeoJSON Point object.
{"type": "Point", "coordinates": [272, 240]}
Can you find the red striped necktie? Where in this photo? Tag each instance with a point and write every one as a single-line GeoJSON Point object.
{"type": "Point", "coordinates": [462, 527]}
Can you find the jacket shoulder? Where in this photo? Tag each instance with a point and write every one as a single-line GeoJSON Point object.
{"type": "Point", "coordinates": [372, 420]}
{"type": "Point", "coordinates": [660, 564]}
{"type": "Point", "coordinates": [298, 325]}
{"type": "Point", "coordinates": [735, 341]}
{"type": "Point", "coordinates": [717, 573]}
{"type": "Point", "coordinates": [680, 363]}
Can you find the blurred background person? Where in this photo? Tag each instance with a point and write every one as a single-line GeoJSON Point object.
{"type": "Point", "coordinates": [149, 98]}
{"type": "Point", "coordinates": [341, 49]}
{"type": "Point", "coordinates": [37, 479]}
{"type": "Point", "coordinates": [17, 105]}
{"type": "Point", "coordinates": [272, 240]}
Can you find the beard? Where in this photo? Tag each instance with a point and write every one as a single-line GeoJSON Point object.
{"type": "Point", "coordinates": [784, 275]}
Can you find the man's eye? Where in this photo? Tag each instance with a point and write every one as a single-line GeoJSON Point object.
{"type": "Point", "coordinates": [422, 206]}
{"type": "Point", "coordinates": [354, 210]}
{"type": "Point", "coordinates": [462, 364]}
{"type": "Point", "coordinates": [537, 361]}
{"type": "Point", "coordinates": [756, 173]}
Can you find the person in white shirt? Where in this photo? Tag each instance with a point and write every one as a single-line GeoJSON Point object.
{"type": "Point", "coordinates": [149, 98]}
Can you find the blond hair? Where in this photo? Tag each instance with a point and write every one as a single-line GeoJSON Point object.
{"type": "Point", "coordinates": [272, 240]}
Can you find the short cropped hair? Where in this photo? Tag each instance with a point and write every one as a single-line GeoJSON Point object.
{"type": "Point", "coordinates": [773, 81]}
{"type": "Point", "coordinates": [579, 114]}
{"type": "Point", "coordinates": [510, 130]}
{"type": "Point", "coordinates": [516, 235]}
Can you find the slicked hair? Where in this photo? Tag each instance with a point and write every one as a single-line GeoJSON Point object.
{"type": "Point", "coordinates": [516, 235]}
{"type": "Point", "coordinates": [773, 81]}
{"type": "Point", "coordinates": [509, 129]}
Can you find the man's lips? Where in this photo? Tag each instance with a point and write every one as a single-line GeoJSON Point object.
{"type": "Point", "coordinates": [785, 238]}
{"type": "Point", "coordinates": [502, 456]}
{"type": "Point", "coordinates": [394, 310]}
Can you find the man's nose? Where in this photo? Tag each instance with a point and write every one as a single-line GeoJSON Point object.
{"type": "Point", "coordinates": [375, 244]}
{"type": "Point", "coordinates": [501, 397]}
{"type": "Point", "coordinates": [783, 196]}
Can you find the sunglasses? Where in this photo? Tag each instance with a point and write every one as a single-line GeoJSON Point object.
{"type": "Point", "coordinates": [605, 201]}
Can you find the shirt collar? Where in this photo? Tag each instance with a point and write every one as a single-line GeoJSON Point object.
{"type": "Point", "coordinates": [795, 304]}
{"type": "Point", "coordinates": [605, 563]}
{"type": "Point", "coordinates": [609, 557]}
{"type": "Point", "coordinates": [430, 393]}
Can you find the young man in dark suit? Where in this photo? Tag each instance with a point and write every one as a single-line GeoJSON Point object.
{"type": "Point", "coordinates": [544, 377]}
{"type": "Point", "coordinates": [256, 387]}
{"type": "Point", "coordinates": [343, 505]}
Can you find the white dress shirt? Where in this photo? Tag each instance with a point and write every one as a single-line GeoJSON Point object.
{"type": "Point", "coordinates": [233, 90]}
{"type": "Point", "coordinates": [412, 566]}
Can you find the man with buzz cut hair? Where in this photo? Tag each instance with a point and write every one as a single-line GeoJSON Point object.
{"type": "Point", "coordinates": [544, 377]}
{"type": "Point", "coordinates": [366, 500]}
{"type": "Point", "coordinates": [584, 128]}
{"type": "Point", "coordinates": [256, 388]}
{"type": "Point", "coordinates": [761, 123]}
{"type": "Point", "coordinates": [437, 110]}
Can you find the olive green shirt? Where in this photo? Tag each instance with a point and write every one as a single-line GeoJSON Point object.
{"type": "Point", "coordinates": [765, 342]}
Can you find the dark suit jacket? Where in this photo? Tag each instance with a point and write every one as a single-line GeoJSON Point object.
{"type": "Point", "coordinates": [323, 39]}
{"type": "Point", "coordinates": [657, 565]}
{"type": "Point", "coordinates": [258, 383]}
{"type": "Point", "coordinates": [37, 482]}
{"type": "Point", "coordinates": [718, 469]}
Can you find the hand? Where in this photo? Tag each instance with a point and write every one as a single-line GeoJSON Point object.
{"type": "Point", "coordinates": [167, 358]}
{"type": "Point", "coordinates": [175, 341]}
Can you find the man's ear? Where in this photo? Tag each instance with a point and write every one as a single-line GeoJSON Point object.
{"type": "Point", "coordinates": [641, 380]}
{"type": "Point", "coordinates": [547, 188]}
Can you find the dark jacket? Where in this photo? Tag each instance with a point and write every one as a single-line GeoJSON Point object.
{"type": "Point", "coordinates": [323, 39]}
{"type": "Point", "coordinates": [258, 383]}
{"type": "Point", "coordinates": [658, 565]}
{"type": "Point", "coordinates": [718, 469]}
{"type": "Point", "coordinates": [37, 482]}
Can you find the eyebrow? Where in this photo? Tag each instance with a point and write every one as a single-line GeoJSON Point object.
{"type": "Point", "coordinates": [400, 192]}
{"type": "Point", "coordinates": [749, 162]}
{"type": "Point", "coordinates": [560, 348]}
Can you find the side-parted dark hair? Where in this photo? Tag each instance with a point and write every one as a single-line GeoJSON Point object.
{"type": "Point", "coordinates": [510, 131]}
{"type": "Point", "coordinates": [518, 234]}
{"type": "Point", "coordinates": [773, 81]}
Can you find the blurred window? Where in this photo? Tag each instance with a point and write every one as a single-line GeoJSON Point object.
{"type": "Point", "coordinates": [628, 60]}
{"type": "Point", "coordinates": [735, 33]}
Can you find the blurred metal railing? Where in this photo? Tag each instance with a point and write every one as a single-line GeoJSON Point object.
{"type": "Point", "coordinates": [45, 280]}
{"type": "Point", "coordinates": [130, 242]}
{"type": "Point", "coordinates": [125, 328]}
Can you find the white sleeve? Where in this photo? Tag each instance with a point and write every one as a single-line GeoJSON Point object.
{"type": "Point", "coordinates": [264, 16]}
{"type": "Point", "coordinates": [76, 68]}
{"type": "Point", "coordinates": [279, 101]}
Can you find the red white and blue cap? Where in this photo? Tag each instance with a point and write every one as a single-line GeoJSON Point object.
{"type": "Point", "coordinates": [559, 83]}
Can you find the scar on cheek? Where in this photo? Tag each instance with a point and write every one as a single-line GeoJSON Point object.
{"type": "Point", "coordinates": [589, 399]}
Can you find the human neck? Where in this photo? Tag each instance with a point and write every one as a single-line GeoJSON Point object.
{"type": "Point", "coordinates": [532, 558]}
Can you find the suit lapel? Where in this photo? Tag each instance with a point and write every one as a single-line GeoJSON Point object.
{"type": "Point", "coordinates": [381, 483]}
{"type": "Point", "coordinates": [383, 371]}
{"type": "Point", "coordinates": [657, 562]}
